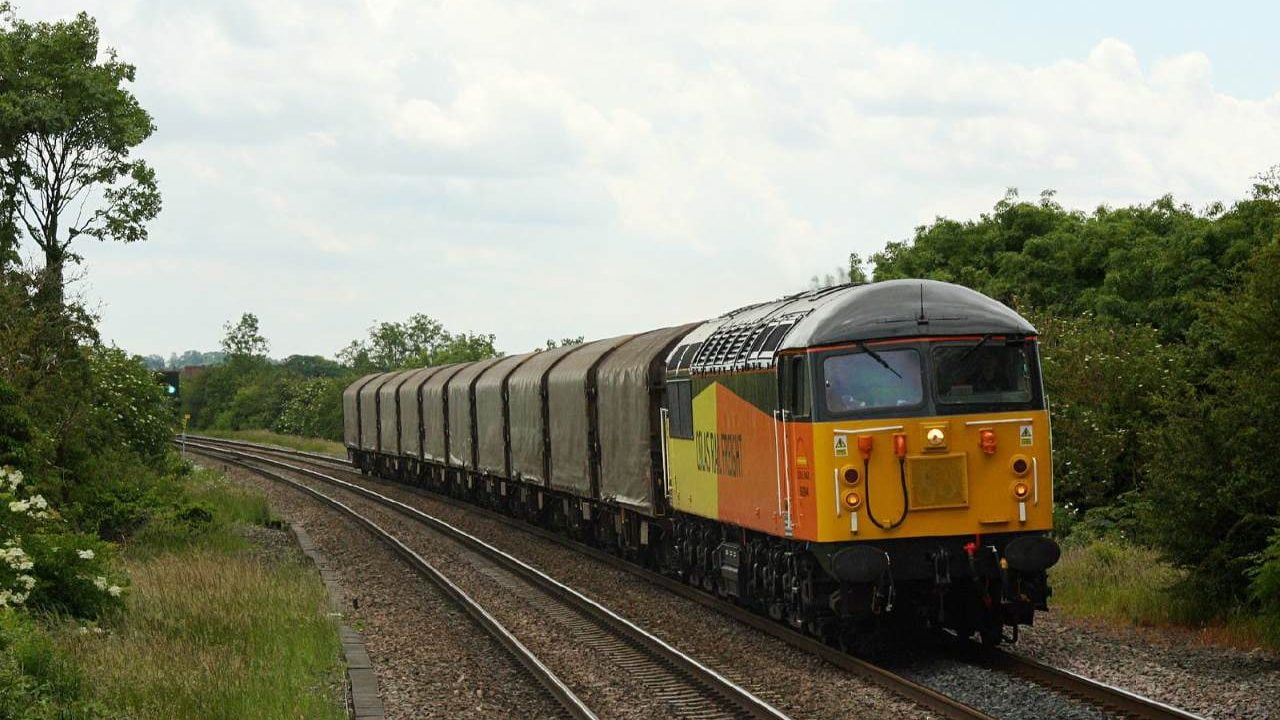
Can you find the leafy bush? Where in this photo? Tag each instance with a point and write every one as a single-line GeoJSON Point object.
{"type": "Point", "coordinates": [43, 565]}
{"type": "Point", "coordinates": [313, 408]}
{"type": "Point", "coordinates": [118, 494]}
{"type": "Point", "coordinates": [1104, 380]}
{"type": "Point", "coordinates": [128, 408]}
{"type": "Point", "coordinates": [1265, 576]}
{"type": "Point", "coordinates": [1215, 490]}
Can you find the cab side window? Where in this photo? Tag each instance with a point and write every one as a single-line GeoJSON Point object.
{"type": "Point", "coordinates": [797, 397]}
{"type": "Point", "coordinates": [680, 409]}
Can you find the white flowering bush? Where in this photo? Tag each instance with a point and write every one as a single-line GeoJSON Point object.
{"type": "Point", "coordinates": [42, 564]}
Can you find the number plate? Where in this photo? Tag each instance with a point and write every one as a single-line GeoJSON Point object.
{"type": "Point", "coordinates": [937, 482]}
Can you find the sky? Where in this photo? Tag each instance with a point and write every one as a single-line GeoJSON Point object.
{"type": "Point", "coordinates": [559, 168]}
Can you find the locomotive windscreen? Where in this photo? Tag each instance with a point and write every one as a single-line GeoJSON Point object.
{"type": "Point", "coordinates": [988, 374]}
{"type": "Point", "coordinates": [874, 379]}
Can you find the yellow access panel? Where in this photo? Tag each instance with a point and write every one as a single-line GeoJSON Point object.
{"type": "Point", "coordinates": [694, 486]}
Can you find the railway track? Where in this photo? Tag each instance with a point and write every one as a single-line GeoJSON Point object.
{"type": "Point", "coordinates": [1109, 699]}
{"type": "Point", "coordinates": [685, 686]}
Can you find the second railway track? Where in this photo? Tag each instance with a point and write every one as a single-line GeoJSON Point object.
{"type": "Point", "coordinates": [1110, 700]}
{"type": "Point", "coordinates": [684, 686]}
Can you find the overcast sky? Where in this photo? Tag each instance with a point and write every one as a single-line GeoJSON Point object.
{"type": "Point", "coordinates": [550, 169]}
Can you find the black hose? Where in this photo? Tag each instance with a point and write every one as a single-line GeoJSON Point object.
{"type": "Point", "coordinates": [902, 476]}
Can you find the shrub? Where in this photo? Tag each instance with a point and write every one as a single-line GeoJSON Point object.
{"type": "Point", "coordinates": [45, 566]}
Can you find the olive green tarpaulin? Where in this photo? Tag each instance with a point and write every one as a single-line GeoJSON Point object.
{"type": "Point", "coordinates": [389, 413]}
{"type": "Point", "coordinates": [433, 413]}
{"type": "Point", "coordinates": [410, 411]}
{"type": "Point", "coordinates": [567, 410]}
{"type": "Point", "coordinates": [524, 408]}
{"type": "Point", "coordinates": [628, 383]}
{"type": "Point", "coordinates": [461, 429]}
{"type": "Point", "coordinates": [350, 413]}
{"type": "Point", "coordinates": [491, 430]}
{"type": "Point", "coordinates": [369, 412]}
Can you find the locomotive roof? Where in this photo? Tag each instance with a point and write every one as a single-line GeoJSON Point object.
{"type": "Point", "coordinates": [750, 336]}
{"type": "Point", "coordinates": [899, 309]}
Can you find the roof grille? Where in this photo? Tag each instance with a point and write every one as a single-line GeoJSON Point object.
{"type": "Point", "coordinates": [740, 346]}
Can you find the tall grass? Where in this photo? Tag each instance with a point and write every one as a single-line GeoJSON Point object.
{"type": "Point", "coordinates": [1110, 580]}
{"type": "Point", "coordinates": [212, 634]}
{"type": "Point", "coordinates": [212, 628]}
{"type": "Point", "coordinates": [1115, 581]}
{"type": "Point", "coordinates": [296, 442]}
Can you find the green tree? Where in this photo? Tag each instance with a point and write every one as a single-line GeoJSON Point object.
{"type": "Point", "coordinates": [244, 339]}
{"type": "Point", "coordinates": [857, 269]}
{"type": "Point", "coordinates": [1106, 381]}
{"type": "Point", "coordinates": [463, 347]}
{"type": "Point", "coordinates": [1214, 496]}
{"type": "Point", "coordinates": [395, 344]}
{"type": "Point", "coordinates": [69, 125]}
{"type": "Point", "coordinates": [564, 342]}
{"type": "Point", "coordinates": [419, 341]}
{"type": "Point", "coordinates": [313, 366]}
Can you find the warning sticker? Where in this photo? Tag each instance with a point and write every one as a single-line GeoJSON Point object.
{"type": "Point", "coordinates": [1024, 436]}
{"type": "Point", "coordinates": [842, 446]}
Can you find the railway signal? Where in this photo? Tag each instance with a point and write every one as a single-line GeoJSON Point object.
{"type": "Point", "coordinates": [168, 379]}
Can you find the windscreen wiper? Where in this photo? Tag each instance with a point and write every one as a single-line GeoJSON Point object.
{"type": "Point", "coordinates": [876, 356]}
{"type": "Point", "coordinates": [974, 349]}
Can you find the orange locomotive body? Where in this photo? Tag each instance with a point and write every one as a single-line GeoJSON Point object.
{"type": "Point", "coordinates": [845, 460]}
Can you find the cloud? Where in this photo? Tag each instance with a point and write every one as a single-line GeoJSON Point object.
{"type": "Point", "coordinates": [554, 168]}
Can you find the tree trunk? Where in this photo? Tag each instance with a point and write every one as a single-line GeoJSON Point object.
{"type": "Point", "coordinates": [49, 289]}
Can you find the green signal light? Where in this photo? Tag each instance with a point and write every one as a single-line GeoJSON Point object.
{"type": "Point", "coordinates": [171, 389]}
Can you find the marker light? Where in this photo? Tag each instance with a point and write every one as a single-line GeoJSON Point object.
{"type": "Point", "coordinates": [900, 445]}
{"type": "Point", "coordinates": [1019, 466]}
{"type": "Point", "coordinates": [852, 500]}
{"type": "Point", "coordinates": [987, 441]}
{"type": "Point", "coordinates": [1021, 491]}
{"type": "Point", "coordinates": [864, 446]}
{"type": "Point", "coordinates": [850, 474]}
{"type": "Point", "coordinates": [935, 437]}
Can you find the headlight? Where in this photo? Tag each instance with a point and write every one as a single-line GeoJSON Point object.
{"type": "Point", "coordinates": [852, 500]}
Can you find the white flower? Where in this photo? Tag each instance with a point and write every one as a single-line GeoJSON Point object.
{"type": "Point", "coordinates": [38, 502]}
{"type": "Point", "coordinates": [26, 581]}
{"type": "Point", "coordinates": [15, 558]}
{"type": "Point", "coordinates": [100, 583]}
{"type": "Point", "coordinates": [19, 506]}
{"type": "Point", "coordinates": [85, 554]}
{"type": "Point", "coordinates": [114, 591]}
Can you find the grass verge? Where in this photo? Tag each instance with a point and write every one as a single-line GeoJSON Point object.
{"type": "Point", "coordinates": [214, 627]}
{"type": "Point", "coordinates": [1122, 583]}
{"type": "Point", "coordinates": [296, 442]}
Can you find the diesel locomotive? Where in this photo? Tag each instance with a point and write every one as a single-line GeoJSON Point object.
{"type": "Point", "coordinates": [846, 460]}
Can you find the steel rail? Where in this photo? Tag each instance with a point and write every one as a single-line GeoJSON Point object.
{"type": "Point", "coordinates": [903, 687]}
{"type": "Point", "coordinates": [715, 686]}
{"type": "Point", "coordinates": [546, 677]}
{"type": "Point", "coordinates": [1106, 696]}
{"type": "Point", "coordinates": [1094, 692]}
